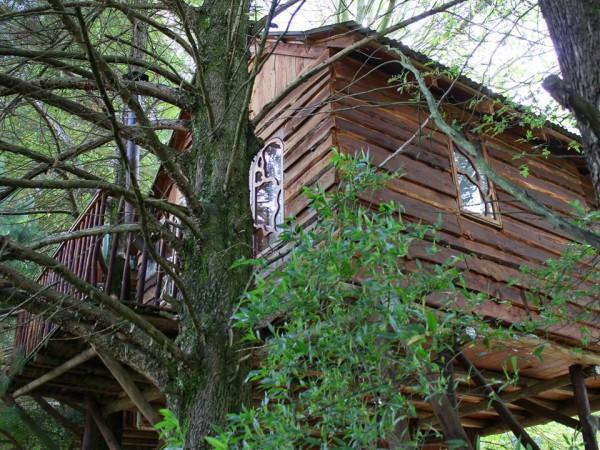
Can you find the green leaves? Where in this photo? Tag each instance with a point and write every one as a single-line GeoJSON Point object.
{"type": "Point", "coordinates": [348, 321]}
{"type": "Point", "coordinates": [169, 430]}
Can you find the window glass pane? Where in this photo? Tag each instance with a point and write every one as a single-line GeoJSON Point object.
{"type": "Point", "coordinates": [473, 187]}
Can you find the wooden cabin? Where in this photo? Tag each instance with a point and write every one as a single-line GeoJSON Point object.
{"type": "Point", "coordinates": [351, 105]}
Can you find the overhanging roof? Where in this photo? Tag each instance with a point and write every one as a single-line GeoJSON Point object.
{"type": "Point", "coordinates": [351, 27]}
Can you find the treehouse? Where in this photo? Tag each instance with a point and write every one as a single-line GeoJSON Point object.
{"type": "Point", "coordinates": [352, 106]}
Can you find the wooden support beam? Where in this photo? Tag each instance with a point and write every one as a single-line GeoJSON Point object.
{"type": "Point", "coordinates": [107, 434]}
{"type": "Point", "coordinates": [32, 424]}
{"type": "Point", "coordinates": [449, 420]}
{"type": "Point", "coordinates": [130, 388]}
{"type": "Point", "coordinates": [588, 422]}
{"type": "Point", "coordinates": [566, 407]}
{"type": "Point", "coordinates": [529, 391]}
{"type": "Point", "coordinates": [498, 404]}
{"type": "Point", "coordinates": [403, 434]}
{"type": "Point", "coordinates": [57, 416]}
{"type": "Point", "coordinates": [126, 403]}
{"type": "Point", "coordinates": [58, 371]}
{"type": "Point", "coordinates": [548, 413]}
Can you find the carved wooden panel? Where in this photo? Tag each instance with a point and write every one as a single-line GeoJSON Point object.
{"type": "Point", "coordinates": [266, 192]}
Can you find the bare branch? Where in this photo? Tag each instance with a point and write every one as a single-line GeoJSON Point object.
{"type": "Point", "coordinates": [44, 166]}
{"type": "Point", "coordinates": [57, 57]}
{"type": "Point", "coordinates": [178, 97]}
{"type": "Point", "coordinates": [474, 151]}
{"type": "Point", "coordinates": [11, 249]}
{"type": "Point", "coordinates": [62, 237]}
{"type": "Point", "coordinates": [114, 189]}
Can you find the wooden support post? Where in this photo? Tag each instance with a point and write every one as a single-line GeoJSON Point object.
{"type": "Point", "coordinates": [107, 434]}
{"type": "Point", "coordinates": [498, 404]}
{"type": "Point", "coordinates": [473, 434]}
{"type": "Point", "coordinates": [128, 385]}
{"type": "Point", "coordinates": [92, 438]}
{"type": "Point", "coordinates": [71, 363]}
{"type": "Point", "coordinates": [587, 421]}
{"type": "Point", "coordinates": [32, 424]}
{"type": "Point", "coordinates": [449, 421]}
{"type": "Point", "coordinates": [57, 416]}
{"type": "Point", "coordinates": [448, 372]}
{"type": "Point", "coordinates": [548, 413]}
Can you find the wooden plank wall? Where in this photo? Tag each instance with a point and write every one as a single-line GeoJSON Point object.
{"type": "Point", "coordinates": [371, 115]}
{"type": "Point", "coordinates": [302, 121]}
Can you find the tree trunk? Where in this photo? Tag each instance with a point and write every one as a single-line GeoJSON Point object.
{"type": "Point", "coordinates": [214, 388]}
{"type": "Point", "coordinates": [573, 26]}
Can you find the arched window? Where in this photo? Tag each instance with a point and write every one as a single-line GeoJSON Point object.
{"type": "Point", "coordinates": [476, 194]}
{"type": "Point", "coordinates": [266, 192]}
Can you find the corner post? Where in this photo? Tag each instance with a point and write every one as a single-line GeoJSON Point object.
{"type": "Point", "coordinates": [587, 421]}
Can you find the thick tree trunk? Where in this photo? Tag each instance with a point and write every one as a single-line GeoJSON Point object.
{"type": "Point", "coordinates": [215, 387]}
{"type": "Point", "coordinates": [573, 26]}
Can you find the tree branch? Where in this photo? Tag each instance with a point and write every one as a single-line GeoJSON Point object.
{"type": "Point", "coordinates": [44, 166]}
{"type": "Point", "coordinates": [67, 236]}
{"type": "Point", "coordinates": [114, 189]}
{"type": "Point", "coordinates": [474, 151]}
{"type": "Point", "coordinates": [581, 108]}
{"type": "Point", "coordinates": [178, 97]}
{"type": "Point", "coordinates": [12, 249]}
{"type": "Point", "coordinates": [44, 55]}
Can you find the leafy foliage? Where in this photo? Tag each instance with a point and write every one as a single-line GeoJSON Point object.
{"type": "Point", "coordinates": [348, 323]}
{"type": "Point", "coordinates": [169, 430]}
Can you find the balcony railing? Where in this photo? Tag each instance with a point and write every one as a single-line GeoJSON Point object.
{"type": "Point", "coordinates": [124, 269]}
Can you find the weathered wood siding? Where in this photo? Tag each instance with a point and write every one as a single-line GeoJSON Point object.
{"type": "Point", "coordinates": [302, 120]}
{"type": "Point", "coordinates": [371, 115]}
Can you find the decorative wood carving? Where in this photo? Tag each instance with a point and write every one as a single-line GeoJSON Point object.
{"type": "Point", "coordinates": [266, 192]}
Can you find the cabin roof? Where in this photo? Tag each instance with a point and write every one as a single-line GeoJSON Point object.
{"type": "Point", "coordinates": [349, 28]}
{"type": "Point", "coordinates": [353, 27]}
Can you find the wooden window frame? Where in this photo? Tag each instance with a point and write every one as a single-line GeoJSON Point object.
{"type": "Point", "coordinates": [496, 222]}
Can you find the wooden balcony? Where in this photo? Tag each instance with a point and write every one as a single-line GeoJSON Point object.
{"type": "Point", "coordinates": [120, 266]}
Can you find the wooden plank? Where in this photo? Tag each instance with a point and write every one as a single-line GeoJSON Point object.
{"type": "Point", "coordinates": [71, 363]}
{"type": "Point", "coordinates": [130, 388]}
{"type": "Point", "coordinates": [527, 392]}
{"type": "Point", "coordinates": [589, 424]}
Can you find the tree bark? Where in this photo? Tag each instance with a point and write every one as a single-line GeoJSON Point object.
{"type": "Point", "coordinates": [214, 388]}
{"type": "Point", "coordinates": [573, 26]}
